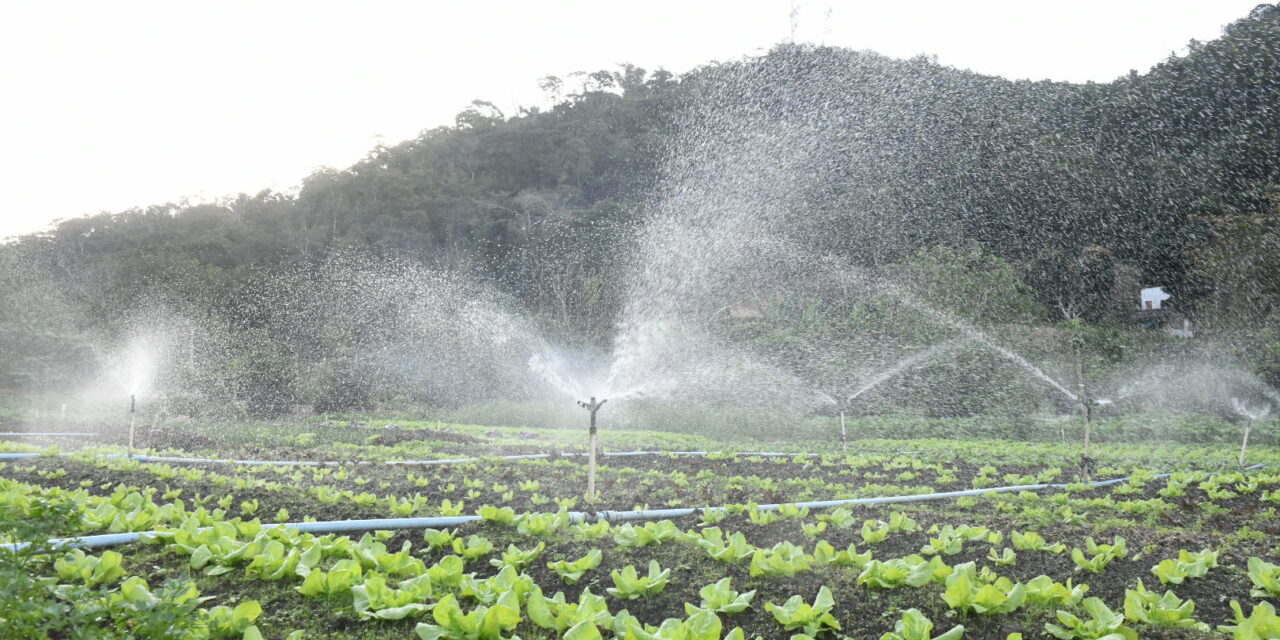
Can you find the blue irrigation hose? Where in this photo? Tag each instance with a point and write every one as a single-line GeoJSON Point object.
{"type": "Point", "coordinates": [346, 526]}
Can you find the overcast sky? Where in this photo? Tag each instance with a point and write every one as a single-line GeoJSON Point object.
{"type": "Point", "coordinates": [108, 105]}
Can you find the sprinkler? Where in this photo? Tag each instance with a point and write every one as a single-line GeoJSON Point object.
{"type": "Point", "coordinates": [592, 407]}
{"type": "Point", "coordinates": [1250, 414]}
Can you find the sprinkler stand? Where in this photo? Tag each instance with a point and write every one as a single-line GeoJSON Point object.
{"type": "Point", "coordinates": [844, 434]}
{"type": "Point", "coordinates": [592, 407]}
{"type": "Point", "coordinates": [1245, 443]}
{"type": "Point", "coordinates": [133, 416]}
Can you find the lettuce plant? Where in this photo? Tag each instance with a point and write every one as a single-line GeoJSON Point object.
{"type": "Point", "coordinates": [763, 518]}
{"type": "Point", "coordinates": [826, 554]}
{"type": "Point", "coordinates": [438, 538]}
{"type": "Point", "coordinates": [89, 569]}
{"type": "Point", "coordinates": [1187, 565]}
{"type": "Point", "coordinates": [875, 531]}
{"type": "Point", "coordinates": [224, 621]}
{"type": "Point", "coordinates": [374, 599]}
{"type": "Point", "coordinates": [572, 572]}
{"type": "Point", "coordinates": [720, 548]}
{"type": "Point", "coordinates": [701, 625]}
{"type": "Point", "coordinates": [1007, 557]}
{"type": "Point", "coordinates": [1032, 541]}
{"type": "Point", "coordinates": [714, 515]}
{"type": "Point", "coordinates": [915, 626]}
{"type": "Point", "coordinates": [900, 522]}
{"type": "Point", "coordinates": [840, 517]}
{"type": "Point", "coordinates": [1168, 610]}
{"type": "Point", "coordinates": [338, 579]}
{"type": "Point", "coordinates": [516, 557]}
{"type": "Point", "coordinates": [473, 547]}
{"type": "Point", "coordinates": [542, 525]}
{"type": "Point", "coordinates": [447, 572]}
{"type": "Point", "coordinates": [488, 590]}
{"type": "Point", "coordinates": [1265, 578]}
{"type": "Point", "coordinates": [1102, 624]}
{"type": "Point", "coordinates": [814, 618]}
{"type": "Point", "coordinates": [1101, 555]}
{"type": "Point", "coordinates": [781, 560]}
{"type": "Point", "coordinates": [721, 597]}
{"type": "Point", "coordinates": [1044, 591]}
{"type": "Point", "coordinates": [585, 531]}
{"type": "Point", "coordinates": [911, 570]}
{"type": "Point", "coordinates": [629, 585]}
{"type": "Point", "coordinates": [556, 614]}
{"type": "Point", "coordinates": [483, 623]}
{"type": "Point", "coordinates": [967, 594]}
{"type": "Point", "coordinates": [651, 533]}
{"type": "Point", "coordinates": [1262, 623]}
{"type": "Point", "coordinates": [505, 516]}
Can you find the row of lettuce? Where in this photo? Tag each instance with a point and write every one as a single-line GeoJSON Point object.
{"type": "Point", "coordinates": [384, 584]}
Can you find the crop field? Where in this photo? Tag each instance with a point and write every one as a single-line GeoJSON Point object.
{"type": "Point", "coordinates": [1194, 554]}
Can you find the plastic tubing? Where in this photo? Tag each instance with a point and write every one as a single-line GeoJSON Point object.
{"type": "Point", "coordinates": [346, 526]}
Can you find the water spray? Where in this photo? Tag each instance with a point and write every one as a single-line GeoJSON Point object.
{"type": "Point", "coordinates": [592, 407]}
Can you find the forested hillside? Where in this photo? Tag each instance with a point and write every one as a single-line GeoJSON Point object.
{"type": "Point", "coordinates": [1076, 192]}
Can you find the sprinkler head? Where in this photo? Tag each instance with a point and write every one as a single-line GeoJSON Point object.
{"type": "Point", "coordinates": [592, 406]}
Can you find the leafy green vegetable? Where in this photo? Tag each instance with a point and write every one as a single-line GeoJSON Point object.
{"type": "Point", "coordinates": [1032, 541]}
{"type": "Point", "coordinates": [1187, 565]}
{"type": "Point", "coordinates": [484, 623]}
{"type": "Point", "coordinates": [967, 594]}
{"type": "Point", "coordinates": [1262, 623]}
{"type": "Point", "coordinates": [1265, 578]}
{"type": "Point", "coordinates": [91, 570]}
{"type": "Point", "coordinates": [224, 621]}
{"type": "Point", "coordinates": [825, 554]}
{"type": "Point", "coordinates": [628, 585]}
{"type": "Point", "coordinates": [1168, 610]}
{"type": "Point", "coordinates": [814, 618]}
{"type": "Point", "coordinates": [572, 572]}
{"type": "Point", "coordinates": [516, 557]}
{"type": "Point", "coordinates": [781, 560]}
{"type": "Point", "coordinates": [1043, 591]}
{"type": "Point", "coordinates": [1101, 554]}
{"type": "Point", "coordinates": [554, 613]}
{"type": "Point", "coordinates": [1103, 624]}
{"type": "Point", "coordinates": [338, 579]}
{"type": "Point", "coordinates": [911, 570]}
{"type": "Point", "coordinates": [731, 549]}
{"type": "Point", "coordinates": [915, 626]}
{"type": "Point", "coordinates": [721, 597]}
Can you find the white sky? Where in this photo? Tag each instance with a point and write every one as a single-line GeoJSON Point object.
{"type": "Point", "coordinates": [108, 105]}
